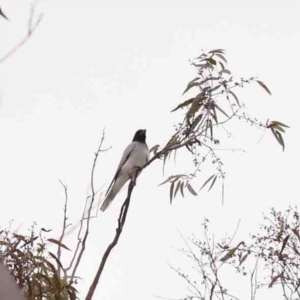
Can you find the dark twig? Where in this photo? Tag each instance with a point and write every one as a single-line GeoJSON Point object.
{"type": "Point", "coordinates": [30, 30]}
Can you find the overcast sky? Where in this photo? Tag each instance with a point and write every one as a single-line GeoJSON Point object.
{"type": "Point", "coordinates": [123, 65]}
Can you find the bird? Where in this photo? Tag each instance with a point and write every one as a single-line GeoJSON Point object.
{"type": "Point", "coordinates": [135, 156]}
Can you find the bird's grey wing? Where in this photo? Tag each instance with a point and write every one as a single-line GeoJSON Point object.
{"type": "Point", "coordinates": [124, 158]}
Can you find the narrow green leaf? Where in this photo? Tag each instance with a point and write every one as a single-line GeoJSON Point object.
{"type": "Point", "coordinates": [235, 97]}
{"type": "Point", "coordinates": [278, 137]}
{"type": "Point", "coordinates": [195, 79]}
{"type": "Point", "coordinates": [58, 243]}
{"type": "Point", "coordinates": [197, 103]}
{"type": "Point", "coordinates": [165, 160]}
{"type": "Point", "coordinates": [196, 122]}
{"type": "Point", "coordinates": [214, 114]}
{"type": "Point", "coordinates": [171, 192]}
{"type": "Point", "coordinates": [211, 130]}
{"type": "Point", "coordinates": [207, 181]}
{"type": "Point", "coordinates": [222, 66]}
{"type": "Point", "coordinates": [226, 71]}
{"type": "Point", "coordinates": [183, 104]}
{"type": "Point", "coordinates": [191, 190]}
{"type": "Point", "coordinates": [56, 259]}
{"type": "Point", "coordinates": [221, 56]}
{"type": "Point", "coordinates": [278, 128]}
{"type": "Point", "coordinates": [264, 86]}
{"type": "Point", "coordinates": [181, 189]}
{"type": "Point", "coordinates": [204, 66]}
{"type": "Point", "coordinates": [216, 87]}
{"type": "Point", "coordinates": [190, 85]}
{"type": "Point", "coordinates": [171, 177]}
{"type": "Point", "coordinates": [177, 188]}
{"type": "Point", "coordinates": [213, 182]}
{"type": "Point", "coordinates": [217, 51]}
{"type": "Point", "coordinates": [281, 124]}
{"type": "Point", "coordinates": [244, 258]}
{"type": "Point", "coordinates": [221, 110]}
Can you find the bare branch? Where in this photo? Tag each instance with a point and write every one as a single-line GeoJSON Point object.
{"type": "Point", "coordinates": [83, 244]}
{"type": "Point", "coordinates": [32, 26]}
{"type": "Point", "coordinates": [63, 227]}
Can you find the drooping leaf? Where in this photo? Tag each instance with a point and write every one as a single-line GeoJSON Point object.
{"type": "Point", "coordinates": [226, 71]}
{"type": "Point", "coordinates": [56, 259]}
{"type": "Point", "coordinates": [277, 127]}
{"type": "Point", "coordinates": [280, 124]}
{"type": "Point", "coordinates": [278, 137]}
{"type": "Point", "coordinates": [190, 85]}
{"type": "Point", "coordinates": [222, 66]}
{"type": "Point", "coordinates": [58, 243]}
{"type": "Point", "coordinates": [221, 56]}
{"type": "Point", "coordinates": [196, 122]}
{"type": "Point", "coordinates": [217, 51]}
{"type": "Point", "coordinates": [216, 87]}
{"type": "Point", "coordinates": [264, 86]}
{"type": "Point", "coordinates": [213, 113]}
{"type": "Point", "coordinates": [177, 188]}
{"type": "Point", "coordinates": [191, 190]}
{"type": "Point", "coordinates": [165, 160]}
{"type": "Point", "coordinates": [221, 110]}
{"type": "Point", "coordinates": [235, 97]}
{"type": "Point", "coordinates": [197, 103]}
{"type": "Point", "coordinates": [183, 104]}
{"type": "Point", "coordinates": [213, 182]}
{"type": "Point", "coordinates": [211, 130]}
{"type": "Point", "coordinates": [195, 79]}
{"type": "Point", "coordinates": [168, 179]}
{"type": "Point", "coordinates": [207, 181]}
{"type": "Point", "coordinates": [210, 78]}
{"type": "Point", "coordinates": [204, 66]}
{"type": "Point", "coordinates": [171, 192]}
{"type": "Point", "coordinates": [181, 189]}
{"type": "Point", "coordinates": [244, 258]}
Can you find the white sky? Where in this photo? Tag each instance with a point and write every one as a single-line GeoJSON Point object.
{"type": "Point", "coordinates": [123, 65]}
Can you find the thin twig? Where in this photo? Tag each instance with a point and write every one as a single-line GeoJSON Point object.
{"type": "Point", "coordinates": [31, 28]}
{"type": "Point", "coordinates": [63, 227]}
{"type": "Point", "coordinates": [83, 244]}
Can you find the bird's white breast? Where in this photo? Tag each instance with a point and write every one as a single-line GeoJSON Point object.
{"type": "Point", "coordinates": [138, 158]}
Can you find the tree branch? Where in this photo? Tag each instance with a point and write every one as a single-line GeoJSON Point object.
{"type": "Point", "coordinates": [121, 222]}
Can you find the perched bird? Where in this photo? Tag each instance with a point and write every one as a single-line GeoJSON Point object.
{"type": "Point", "coordinates": [135, 156]}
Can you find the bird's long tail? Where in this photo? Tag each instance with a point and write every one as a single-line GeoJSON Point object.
{"type": "Point", "coordinates": [121, 180]}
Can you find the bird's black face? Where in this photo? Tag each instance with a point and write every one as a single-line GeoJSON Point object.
{"type": "Point", "coordinates": [140, 136]}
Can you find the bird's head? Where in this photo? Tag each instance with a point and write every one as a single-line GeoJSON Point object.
{"type": "Point", "coordinates": [140, 136]}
